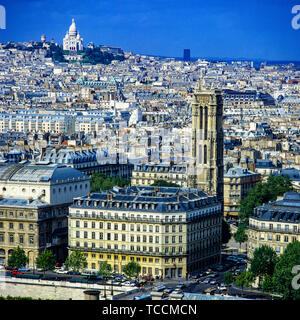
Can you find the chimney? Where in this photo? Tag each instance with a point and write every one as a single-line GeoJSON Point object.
{"type": "Point", "coordinates": [188, 195]}
{"type": "Point", "coordinates": [89, 195]}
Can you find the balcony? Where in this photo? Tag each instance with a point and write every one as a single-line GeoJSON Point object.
{"type": "Point", "coordinates": [251, 227]}
{"type": "Point", "coordinates": [128, 252]}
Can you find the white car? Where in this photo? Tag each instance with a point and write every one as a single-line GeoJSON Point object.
{"type": "Point", "coordinates": [61, 271]}
{"type": "Point", "coordinates": [2, 267]}
{"type": "Point", "coordinates": [222, 288]}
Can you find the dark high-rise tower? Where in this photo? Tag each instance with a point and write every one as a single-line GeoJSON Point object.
{"type": "Point", "coordinates": [186, 54]}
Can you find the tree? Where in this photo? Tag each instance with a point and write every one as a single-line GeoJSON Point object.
{"type": "Point", "coordinates": [263, 192]}
{"type": "Point", "coordinates": [240, 235]}
{"type": "Point", "coordinates": [228, 278]}
{"type": "Point", "coordinates": [17, 259]}
{"type": "Point", "coordinates": [76, 261]}
{"type": "Point", "coordinates": [268, 285]}
{"type": "Point", "coordinates": [100, 182]}
{"type": "Point", "coordinates": [263, 262]}
{"type": "Point", "coordinates": [163, 183]}
{"type": "Point", "coordinates": [226, 234]}
{"type": "Point", "coordinates": [132, 269]}
{"type": "Point", "coordinates": [244, 279]}
{"type": "Point", "coordinates": [105, 269]}
{"type": "Point", "coordinates": [283, 276]}
{"type": "Point", "coordinates": [45, 260]}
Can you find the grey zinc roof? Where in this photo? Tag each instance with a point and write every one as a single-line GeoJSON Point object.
{"type": "Point", "coordinates": [38, 173]}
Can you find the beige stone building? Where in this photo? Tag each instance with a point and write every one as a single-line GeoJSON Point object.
{"type": "Point", "coordinates": [147, 174]}
{"type": "Point", "coordinates": [275, 224]}
{"type": "Point", "coordinates": [237, 183]}
{"type": "Point", "coordinates": [168, 231]}
{"type": "Point", "coordinates": [34, 203]}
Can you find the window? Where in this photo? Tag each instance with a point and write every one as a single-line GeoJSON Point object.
{"type": "Point", "coordinates": [77, 234]}
{"type": "Point", "coordinates": [77, 224]}
{"type": "Point", "coordinates": [11, 225]}
{"type": "Point", "coordinates": [31, 239]}
{"type": "Point", "coordinates": [11, 238]}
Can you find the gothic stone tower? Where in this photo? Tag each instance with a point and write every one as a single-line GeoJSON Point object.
{"type": "Point", "coordinates": [206, 168]}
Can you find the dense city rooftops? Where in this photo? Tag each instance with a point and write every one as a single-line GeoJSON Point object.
{"type": "Point", "coordinates": [156, 199]}
{"type": "Point", "coordinates": [285, 210]}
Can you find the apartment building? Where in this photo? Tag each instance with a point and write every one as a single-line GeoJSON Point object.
{"type": "Point", "coordinates": [275, 224]}
{"type": "Point", "coordinates": [168, 231]}
{"type": "Point", "coordinates": [147, 174]}
{"type": "Point", "coordinates": [237, 183]}
{"type": "Point", "coordinates": [34, 203]}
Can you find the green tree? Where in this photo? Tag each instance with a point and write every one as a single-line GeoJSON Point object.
{"type": "Point", "coordinates": [105, 269]}
{"type": "Point", "coordinates": [226, 234]}
{"type": "Point", "coordinates": [244, 280]}
{"type": "Point", "coordinates": [163, 183]}
{"type": "Point", "coordinates": [76, 261]}
{"type": "Point", "coordinates": [261, 193]}
{"type": "Point", "coordinates": [263, 262]}
{"type": "Point", "coordinates": [228, 278]}
{"type": "Point", "coordinates": [100, 182]}
{"type": "Point", "coordinates": [267, 284]}
{"type": "Point", "coordinates": [45, 261]}
{"type": "Point", "coordinates": [132, 269]}
{"type": "Point", "coordinates": [17, 259]}
{"type": "Point", "coordinates": [240, 235]}
{"type": "Point", "coordinates": [283, 276]}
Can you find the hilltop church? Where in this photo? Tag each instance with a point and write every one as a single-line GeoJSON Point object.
{"type": "Point", "coordinates": [72, 41]}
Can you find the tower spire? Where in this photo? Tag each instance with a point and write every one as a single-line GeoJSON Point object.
{"type": "Point", "coordinates": [201, 81]}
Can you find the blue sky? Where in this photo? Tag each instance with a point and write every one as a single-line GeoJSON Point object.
{"type": "Point", "coordinates": [225, 29]}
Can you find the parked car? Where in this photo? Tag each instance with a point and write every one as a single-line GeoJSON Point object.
{"type": "Point", "coordinates": [14, 272]}
{"type": "Point", "coordinates": [23, 269]}
{"type": "Point", "coordinates": [213, 282]}
{"type": "Point", "coordinates": [148, 278]}
{"type": "Point", "coordinates": [222, 288]}
{"type": "Point", "coordinates": [168, 290]}
{"type": "Point", "coordinates": [180, 285]}
{"type": "Point", "coordinates": [206, 280]}
{"type": "Point", "coordinates": [73, 272]}
{"type": "Point", "coordinates": [61, 271]}
{"type": "Point", "coordinates": [177, 291]}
